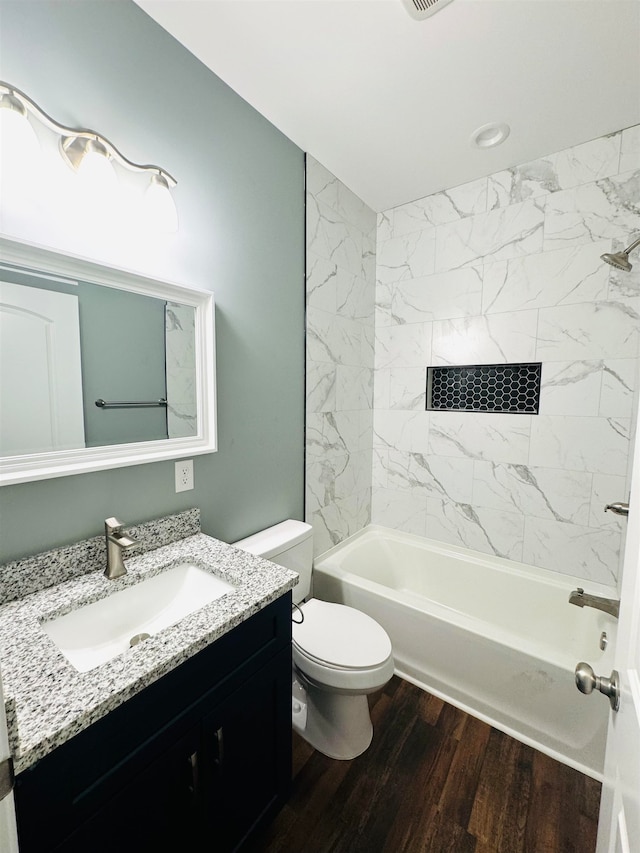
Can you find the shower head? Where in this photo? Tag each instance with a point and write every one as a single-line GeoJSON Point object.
{"type": "Point", "coordinates": [620, 260]}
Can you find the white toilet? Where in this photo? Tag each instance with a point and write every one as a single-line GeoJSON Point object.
{"type": "Point", "coordinates": [339, 654]}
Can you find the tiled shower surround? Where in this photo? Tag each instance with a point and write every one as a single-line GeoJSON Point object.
{"type": "Point", "coordinates": [341, 268]}
{"type": "Point", "coordinates": [506, 269]}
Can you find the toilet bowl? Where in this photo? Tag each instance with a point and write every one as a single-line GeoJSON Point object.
{"type": "Point", "coordinates": [340, 654]}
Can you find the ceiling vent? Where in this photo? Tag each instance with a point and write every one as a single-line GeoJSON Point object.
{"type": "Point", "coordinates": [421, 9]}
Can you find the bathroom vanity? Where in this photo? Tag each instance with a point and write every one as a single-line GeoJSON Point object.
{"type": "Point", "coordinates": [195, 761]}
{"type": "Point", "coordinates": [180, 743]}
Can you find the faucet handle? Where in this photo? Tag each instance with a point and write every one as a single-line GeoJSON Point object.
{"type": "Point", "coordinates": [113, 525]}
{"type": "Point", "coordinates": [114, 532]}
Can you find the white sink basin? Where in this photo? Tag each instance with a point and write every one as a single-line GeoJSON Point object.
{"type": "Point", "coordinates": [99, 631]}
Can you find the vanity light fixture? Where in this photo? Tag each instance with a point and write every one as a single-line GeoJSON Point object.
{"type": "Point", "coordinates": [85, 151]}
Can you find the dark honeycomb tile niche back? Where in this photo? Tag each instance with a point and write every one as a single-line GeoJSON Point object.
{"type": "Point", "coordinates": [511, 388]}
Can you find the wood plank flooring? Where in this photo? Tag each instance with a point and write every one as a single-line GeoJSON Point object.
{"type": "Point", "coordinates": [434, 780]}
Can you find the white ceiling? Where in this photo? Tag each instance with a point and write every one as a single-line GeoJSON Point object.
{"type": "Point", "coordinates": [388, 103]}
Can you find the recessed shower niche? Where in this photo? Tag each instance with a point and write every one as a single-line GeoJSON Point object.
{"type": "Point", "coordinates": [510, 388]}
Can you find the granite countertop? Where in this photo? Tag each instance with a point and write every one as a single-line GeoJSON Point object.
{"type": "Point", "coordinates": [48, 700]}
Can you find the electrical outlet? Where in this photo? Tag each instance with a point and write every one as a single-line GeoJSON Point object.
{"type": "Point", "coordinates": [184, 475]}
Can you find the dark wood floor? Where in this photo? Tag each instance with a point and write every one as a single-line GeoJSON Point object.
{"type": "Point", "coordinates": [434, 780]}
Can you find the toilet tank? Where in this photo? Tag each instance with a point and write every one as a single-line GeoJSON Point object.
{"type": "Point", "coordinates": [289, 544]}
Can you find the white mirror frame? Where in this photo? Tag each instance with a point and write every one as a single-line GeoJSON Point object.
{"type": "Point", "coordinates": [42, 466]}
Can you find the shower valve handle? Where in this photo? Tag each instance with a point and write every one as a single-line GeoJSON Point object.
{"type": "Point", "coordinates": [619, 508]}
{"type": "Point", "coordinates": [587, 681]}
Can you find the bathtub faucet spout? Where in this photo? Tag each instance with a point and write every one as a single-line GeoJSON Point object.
{"type": "Point", "coordinates": [608, 605]}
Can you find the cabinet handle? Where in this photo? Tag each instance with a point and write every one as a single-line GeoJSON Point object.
{"type": "Point", "coordinates": [219, 739]}
{"type": "Point", "coordinates": [194, 787]}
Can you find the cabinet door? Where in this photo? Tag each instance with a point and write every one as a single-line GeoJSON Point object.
{"type": "Point", "coordinates": [247, 754]}
{"type": "Point", "coordinates": [158, 810]}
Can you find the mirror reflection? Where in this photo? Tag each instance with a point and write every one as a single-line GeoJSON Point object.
{"type": "Point", "coordinates": [84, 365]}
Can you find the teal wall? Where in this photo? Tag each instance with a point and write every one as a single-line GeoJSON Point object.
{"type": "Point", "coordinates": [122, 345]}
{"type": "Point", "coordinates": [240, 196]}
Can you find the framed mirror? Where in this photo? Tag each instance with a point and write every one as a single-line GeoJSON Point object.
{"type": "Point", "coordinates": [99, 367]}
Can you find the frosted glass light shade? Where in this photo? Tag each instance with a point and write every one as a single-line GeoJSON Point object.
{"type": "Point", "coordinates": [95, 169]}
{"type": "Point", "coordinates": [18, 138]}
{"type": "Point", "coordinates": [20, 152]}
{"type": "Point", "coordinates": [159, 209]}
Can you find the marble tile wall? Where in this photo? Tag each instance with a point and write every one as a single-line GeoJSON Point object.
{"type": "Point", "coordinates": [341, 235]}
{"type": "Point", "coordinates": [180, 336]}
{"type": "Point", "coordinates": [508, 269]}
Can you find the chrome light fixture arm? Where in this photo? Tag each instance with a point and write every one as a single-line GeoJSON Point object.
{"type": "Point", "coordinates": [73, 142]}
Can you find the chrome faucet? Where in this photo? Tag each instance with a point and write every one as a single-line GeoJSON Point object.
{"type": "Point", "coordinates": [117, 543]}
{"type": "Point", "coordinates": [607, 605]}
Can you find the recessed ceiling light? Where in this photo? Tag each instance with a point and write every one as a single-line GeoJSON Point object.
{"type": "Point", "coordinates": [490, 135]}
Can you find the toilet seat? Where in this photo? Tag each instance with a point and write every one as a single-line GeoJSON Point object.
{"type": "Point", "coordinates": [340, 647]}
{"type": "Point", "coordinates": [340, 636]}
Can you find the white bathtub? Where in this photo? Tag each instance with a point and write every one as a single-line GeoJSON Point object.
{"type": "Point", "coordinates": [491, 636]}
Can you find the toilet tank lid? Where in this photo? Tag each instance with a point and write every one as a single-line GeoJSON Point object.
{"type": "Point", "coordinates": [276, 539]}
